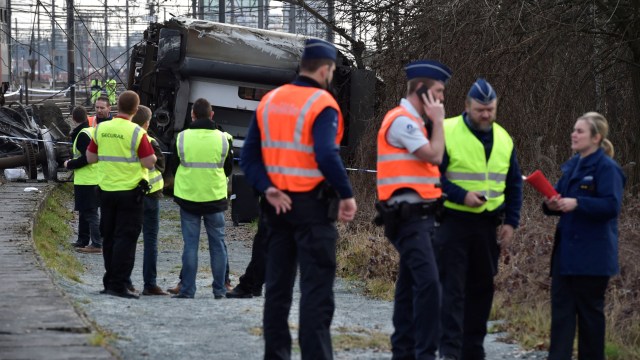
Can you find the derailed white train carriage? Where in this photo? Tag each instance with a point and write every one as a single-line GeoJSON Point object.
{"type": "Point", "coordinates": [233, 67]}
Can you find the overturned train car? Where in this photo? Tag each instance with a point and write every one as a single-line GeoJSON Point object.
{"type": "Point", "coordinates": [232, 66]}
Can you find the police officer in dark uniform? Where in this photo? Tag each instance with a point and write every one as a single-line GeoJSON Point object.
{"type": "Point", "coordinates": [291, 154]}
{"type": "Point", "coordinates": [408, 189]}
{"type": "Point", "coordinates": [482, 180]}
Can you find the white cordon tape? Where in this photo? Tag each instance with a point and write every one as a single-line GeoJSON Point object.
{"type": "Point", "coordinates": [34, 140]}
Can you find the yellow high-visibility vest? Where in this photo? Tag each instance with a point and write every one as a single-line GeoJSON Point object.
{"type": "Point", "coordinates": [200, 176]}
{"type": "Point", "coordinates": [88, 174]}
{"type": "Point", "coordinates": [469, 168]}
{"type": "Point", "coordinates": [118, 163]}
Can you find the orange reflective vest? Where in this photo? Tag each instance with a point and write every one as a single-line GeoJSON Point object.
{"type": "Point", "coordinates": [285, 117]}
{"type": "Point", "coordinates": [92, 121]}
{"type": "Point", "coordinates": [398, 168]}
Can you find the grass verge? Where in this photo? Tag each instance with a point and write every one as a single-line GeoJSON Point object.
{"type": "Point", "coordinates": [52, 232]}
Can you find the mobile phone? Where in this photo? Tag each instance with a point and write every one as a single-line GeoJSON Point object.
{"type": "Point", "coordinates": [422, 90]}
{"type": "Point", "coordinates": [482, 197]}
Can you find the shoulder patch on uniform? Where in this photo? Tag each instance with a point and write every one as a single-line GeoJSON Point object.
{"type": "Point", "coordinates": [410, 128]}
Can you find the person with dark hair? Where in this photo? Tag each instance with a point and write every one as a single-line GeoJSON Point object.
{"type": "Point", "coordinates": [291, 155]}
{"type": "Point", "coordinates": [481, 178]}
{"type": "Point", "coordinates": [151, 206]}
{"type": "Point", "coordinates": [124, 156]}
{"type": "Point", "coordinates": [585, 248]}
{"type": "Point", "coordinates": [200, 189]}
{"type": "Point", "coordinates": [408, 189]}
{"type": "Point", "coordinates": [102, 106]}
{"type": "Point", "coordinates": [85, 186]}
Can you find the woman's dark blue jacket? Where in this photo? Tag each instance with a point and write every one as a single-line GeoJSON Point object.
{"type": "Point", "coordinates": [587, 238]}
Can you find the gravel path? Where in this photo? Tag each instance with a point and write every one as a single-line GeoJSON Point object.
{"type": "Point", "coordinates": [159, 327]}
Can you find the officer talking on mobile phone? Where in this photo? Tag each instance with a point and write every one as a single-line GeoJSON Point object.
{"type": "Point", "coordinates": [409, 195]}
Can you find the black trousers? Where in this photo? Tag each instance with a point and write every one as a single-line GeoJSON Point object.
{"type": "Point", "coordinates": [120, 225]}
{"type": "Point", "coordinates": [577, 299]}
{"type": "Point", "coordinates": [306, 237]}
{"type": "Point", "coordinates": [416, 310]}
{"type": "Point", "coordinates": [467, 254]}
{"type": "Point", "coordinates": [253, 277]}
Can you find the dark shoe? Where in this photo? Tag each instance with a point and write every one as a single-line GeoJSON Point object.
{"type": "Point", "coordinates": [103, 291]}
{"type": "Point", "coordinates": [153, 290]}
{"type": "Point", "coordinates": [218, 297]}
{"type": "Point", "coordinates": [175, 290]}
{"type": "Point", "coordinates": [181, 296]}
{"type": "Point", "coordinates": [239, 293]}
{"type": "Point", "coordinates": [257, 292]}
{"type": "Point", "coordinates": [124, 294]}
{"type": "Point", "coordinates": [91, 249]}
{"type": "Point", "coordinates": [131, 288]}
{"type": "Point", "coordinates": [78, 244]}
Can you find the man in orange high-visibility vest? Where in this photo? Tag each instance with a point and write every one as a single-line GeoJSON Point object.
{"type": "Point", "coordinates": [291, 156]}
{"type": "Point", "coordinates": [408, 182]}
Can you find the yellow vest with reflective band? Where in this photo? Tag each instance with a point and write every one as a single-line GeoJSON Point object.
{"type": "Point", "coordinates": [155, 176]}
{"type": "Point", "coordinates": [88, 174]}
{"type": "Point", "coordinates": [200, 176]}
{"type": "Point", "coordinates": [469, 168]}
{"type": "Point", "coordinates": [118, 163]}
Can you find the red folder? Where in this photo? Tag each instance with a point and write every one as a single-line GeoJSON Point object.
{"type": "Point", "coordinates": [541, 184]}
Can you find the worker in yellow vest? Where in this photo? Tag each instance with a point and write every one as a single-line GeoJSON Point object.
{"type": "Point", "coordinates": [151, 214]}
{"type": "Point", "coordinates": [96, 89]}
{"type": "Point", "coordinates": [482, 180]}
{"type": "Point", "coordinates": [110, 85]}
{"type": "Point", "coordinates": [124, 156]}
{"type": "Point", "coordinates": [408, 184]}
{"type": "Point", "coordinates": [85, 186]}
{"type": "Point", "coordinates": [200, 189]}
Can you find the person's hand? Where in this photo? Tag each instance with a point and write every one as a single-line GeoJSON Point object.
{"type": "Point", "coordinates": [66, 162]}
{"type": "Point", "coordinates": [347, 209]}
{"type": "Point", "coordinates": [473, 199]}
{"type": "Point", "coordinates": [278, 199]}
{"type": "Point", "coordinates": [433, 107]}
{"type": "Point", "coordinates": [567, 204]}
{"type": "Point", "coordinates": [505, 237]}
{"type": "Point", "coordinates": [552, 203]}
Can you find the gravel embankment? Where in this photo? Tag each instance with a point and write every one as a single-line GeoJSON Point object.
{"type": "Point", "coordinates": [159, 327]}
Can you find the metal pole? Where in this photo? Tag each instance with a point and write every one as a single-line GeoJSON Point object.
{"type": "Point", "coordinates": [260, 14]}
{"type": "Point", "coordinates": [53, 42]}
{"type": "Point", "coordinates": [38, 44]}
{"type": "Point", "coordinates": [193, 8]}
{"type": "Point", "coordinates": [71, 54]}
{"type": "Point", "coordinates": [292, 18]}
{"type": "Point", "coordinates": [126, 10]}
{"type": "Point", "coordinates": [221, 10]}
{"type": "Point", "coordinates": [201, 9]}
{"type": "Point", "coordinates": [106, 38]}
{"type": "Point", "coordinates": [266, 14]}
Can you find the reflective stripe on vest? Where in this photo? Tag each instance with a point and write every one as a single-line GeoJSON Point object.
{"type": "Point", "coordinates": [469, 168]}
{"type": "Point", "coordinates": [88, 174]}
{"type": "Point", "coordinates": [285, 118]}
{"type": "Point", "coordinates": [119, 167]}
{"type": "Point", "coordinates": [200, 176]}
{"type": "Point", "coordinates": [202, 165]}
{"type": "Point", "coordinates": [155, 176]}
{"type": "Point", "coordinates": [400, 169]}
{"type": "Point", "coordinates": [133, 150]}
